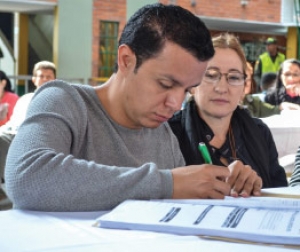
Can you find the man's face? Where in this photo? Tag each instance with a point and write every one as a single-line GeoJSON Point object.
{"type": "Point", "coordinates": [272, 49]}
{"type": "Point", "coordinates": [151, 95]}
{"type": "Point", "coordinates": [42, 76]}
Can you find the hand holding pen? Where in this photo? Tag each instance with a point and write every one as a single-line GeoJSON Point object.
{"type": "Point", "coordinates": [243, 179]}
{"type": "Point", "coordinates": [205, 153]}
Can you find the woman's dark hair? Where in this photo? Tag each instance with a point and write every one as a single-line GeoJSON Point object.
{"type": "Point", "coordinates": [147, 31]}
{"type": "Point", "coordinates": [8, 86]}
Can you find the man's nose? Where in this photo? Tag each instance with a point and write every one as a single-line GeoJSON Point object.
{"type": "Point", "coordinates": [175, 100]}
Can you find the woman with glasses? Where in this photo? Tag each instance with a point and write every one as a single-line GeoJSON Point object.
{"type": "Point", "coordinates": [287, 85]}
{"type": "Point", "coordinates": [213, 116]}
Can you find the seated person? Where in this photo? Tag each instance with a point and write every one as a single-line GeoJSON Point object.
{"type": "Point", "coordinates": [214, 117]}
{"type": "Point", "coordinates": [295, 178]}
{"type": "Point", "coordinates": [8, 99]}
{"type": "Point", "coordinates": [42, 72]}
{"type": "Point", "coordinates": [84, 148]}
{"type": "Point", "coordinates": [267, 83]}
{"type": "Point", "coordinates": [254, 103]}
{"type": "Point", "coordinates": [287, 88]}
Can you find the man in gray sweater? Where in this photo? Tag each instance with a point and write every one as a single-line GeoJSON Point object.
{"type": "Point", "coordinates": [84, 148]}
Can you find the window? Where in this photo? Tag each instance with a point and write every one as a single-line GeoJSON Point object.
{"type": "Point", "coordinates": [108, 47]}
{"type": "Point", "coordinates": [252, 50]}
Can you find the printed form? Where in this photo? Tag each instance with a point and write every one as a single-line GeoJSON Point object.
{"type": "Point", "coordinates": [269, 224]}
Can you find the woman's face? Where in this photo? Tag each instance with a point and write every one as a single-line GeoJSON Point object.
{"type": "Point", "coordinates": [220, 99]}
{"type": "Point", "coordinates": [290, 77]}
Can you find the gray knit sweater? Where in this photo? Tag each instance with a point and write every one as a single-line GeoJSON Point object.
{"type": "Point", "coordinates": [69, 155]}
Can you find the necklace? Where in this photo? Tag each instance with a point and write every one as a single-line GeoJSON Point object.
{"type": "Point", "coordinates": [232, 143]}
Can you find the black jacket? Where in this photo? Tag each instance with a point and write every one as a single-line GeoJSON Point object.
{"type": "Point", "coordinates": [253, 140]}
{"type": "Point", "coordinates": [279, 95]}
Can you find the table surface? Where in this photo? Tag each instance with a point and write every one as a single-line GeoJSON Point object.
{"type": "Point", "coordinates": [65, 232]}
{"type": "Point", "coordinates": [285, 129]}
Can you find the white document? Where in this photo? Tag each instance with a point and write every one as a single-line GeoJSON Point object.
{"type": "Point", "coordinates": [286, 192]}
{"type": "Point", "coordinates": [247, 223]}
{"type": "Point", "coordinates": [256, 202]}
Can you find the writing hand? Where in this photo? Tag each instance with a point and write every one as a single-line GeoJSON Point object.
{"type": "Point", "coordinates": [243, 180]}
{"type": "Point", "coordinates": [200, 181]}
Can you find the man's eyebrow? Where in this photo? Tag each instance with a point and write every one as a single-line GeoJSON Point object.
{"type": "Point", "coordinates": [179, 83]}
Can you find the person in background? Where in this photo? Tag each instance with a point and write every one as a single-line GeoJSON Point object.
{"type": "Point", "coordinates": [269, 61]}
{"type": "Point", "coordinates": [295, 178]}
{"type": "Point", "coordinates": [268, 82]}
{"type": "Point", "coordinates": [234, 139]}
{"type": "Point", "coordinates": [287, 89]}
{"type": "Point", "coordinates": [8, 98]}
{"type": "Point", "coordinates": [43, 71]}
{"type": "Point", "coordinates": [252, 102]}
{"type": "Point", "coordinates": [84, 148]}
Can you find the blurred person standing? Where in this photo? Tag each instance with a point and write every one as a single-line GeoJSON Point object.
{"type": "Point", "coordinates": [8, 98]}
{"type": "Point", "coordinates": [269, 61]}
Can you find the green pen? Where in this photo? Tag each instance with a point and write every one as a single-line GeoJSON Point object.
{"type": "Point", "coordinates": [205, 153]}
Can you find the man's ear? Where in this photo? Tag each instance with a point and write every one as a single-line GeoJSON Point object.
{"type": "Point", "coordinates": [126, 58]}
{"type": "Point", "coordinates": [33, 79]}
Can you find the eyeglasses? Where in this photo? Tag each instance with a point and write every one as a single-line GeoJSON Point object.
{"type": "Point", "coordinates": [233, 78]}
{"type": "Point", "coordinates": [294, 75]}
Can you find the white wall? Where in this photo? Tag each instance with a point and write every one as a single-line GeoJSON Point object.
{"type": "Point", "coordinates": [7, 63]}
{"type": "Point", "coordinates": [134, 5]}
{"type": "Point", "coordinates": [74, 52]}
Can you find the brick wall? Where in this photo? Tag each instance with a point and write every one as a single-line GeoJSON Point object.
{"type": "Point", "coordinates": [262, 10]}
{"type": "Point", "coordinates": [105, 10]}
{"type": "Point", "coordinates": [256, 10]}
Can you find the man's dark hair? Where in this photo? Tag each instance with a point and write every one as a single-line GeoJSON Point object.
{"type": "Point", "coordinates": [147, 31]}
{"type": "Point", "coordinates": [268, 81]}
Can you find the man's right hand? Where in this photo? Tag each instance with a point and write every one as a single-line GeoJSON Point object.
{"type": "Point", "coordinates": [200, 182]}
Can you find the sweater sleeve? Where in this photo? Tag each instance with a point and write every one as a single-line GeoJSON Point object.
{"type": "Point", "coordinates": [295, 178]}
{"type": "Point", "coordinates": [49, 169]}
{"type": "Point", "coordinates": [267, 109]}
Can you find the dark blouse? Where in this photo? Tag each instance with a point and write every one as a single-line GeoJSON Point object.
{"type": "Point", "coordinates": [279, 95]}
{"type": "Point", "coordinates": [253, 141]}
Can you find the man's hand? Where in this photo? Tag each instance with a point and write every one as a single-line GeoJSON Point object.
{"type": "Point", "coordinates": [200, 181]}
{"type": "Point", "coordinates": [243, 180]}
